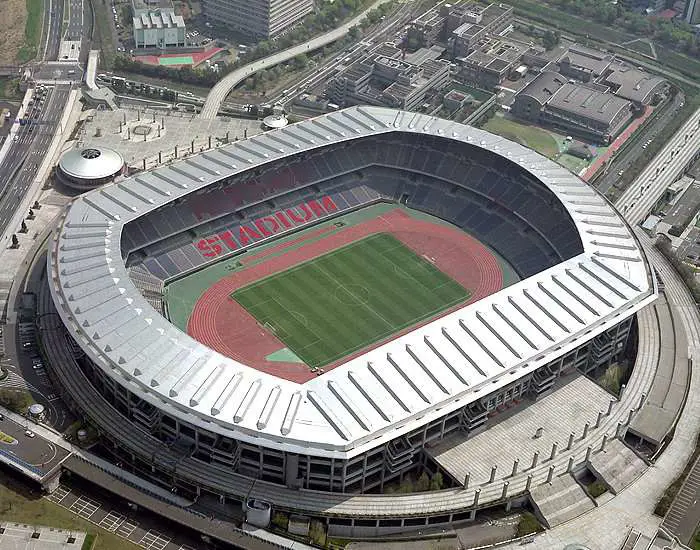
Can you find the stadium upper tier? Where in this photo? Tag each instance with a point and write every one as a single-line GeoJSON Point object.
{"type": "Point", "coordinates": [592, 275]}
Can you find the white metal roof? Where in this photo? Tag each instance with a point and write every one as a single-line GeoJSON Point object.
{"type": "Point", "coordinates": [376, 397]}
{"type": "Point", "coordinates": [91, 163]}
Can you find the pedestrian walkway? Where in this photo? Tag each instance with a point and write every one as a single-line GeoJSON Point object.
{"type": "Point", "coordinates": [20, 536]}
{"type": "Point", "coordinates": [560, 500]}
{"type": "Point", "coordinates": [683, 516]}
{"type": "Point", "coordinates": [618, 467]}
{"type": "Point", "coordinates": [604, 527]}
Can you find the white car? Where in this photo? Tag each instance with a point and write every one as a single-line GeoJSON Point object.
{"type": "Point", "coordinates": [29, 433]}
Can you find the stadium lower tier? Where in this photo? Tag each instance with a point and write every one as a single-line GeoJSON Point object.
{"type": "Point", "coordinates": [173, 453]}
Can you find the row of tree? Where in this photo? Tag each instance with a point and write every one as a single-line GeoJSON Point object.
{"type": "Point", "coordinates": [675, 33]}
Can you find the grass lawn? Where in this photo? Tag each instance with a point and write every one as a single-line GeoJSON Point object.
{"type": "Point", "coordinates": [32, 31]}
{"type": "Point", "coordinates": [18, 504]}
{"type": "Point", "coordinates": [343, 301]}
{"type": "Point", "coordinates": [572, 163]}
{"type": "Point", "coordinates": [530, 136]}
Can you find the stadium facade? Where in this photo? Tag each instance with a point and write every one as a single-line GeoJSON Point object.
{"type": "Point", "coordinates": [181, 415]}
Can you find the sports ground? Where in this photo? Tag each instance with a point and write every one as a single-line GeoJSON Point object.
{"type": "Point", "coordinates": [313, 299]}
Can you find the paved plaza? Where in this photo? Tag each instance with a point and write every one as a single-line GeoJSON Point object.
{"type": "Point", "coordinates": [560, 414]}
{"type": "Point", "coordinates": [17, 536]}
{"type": "Point", "coordinates": [142, 134]}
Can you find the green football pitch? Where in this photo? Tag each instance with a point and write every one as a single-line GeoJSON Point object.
{"type": "Point", "coordinates": [339, 303]}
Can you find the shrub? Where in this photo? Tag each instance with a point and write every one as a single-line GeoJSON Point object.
{"type": "Point", "coordinates": [528, 525]}
{"type": "Point", "coordinates": [597, 488]}
{"type": "Point", "coordinates": [280, 520]}
{"type": "Point", "coordinates": [317, 532]}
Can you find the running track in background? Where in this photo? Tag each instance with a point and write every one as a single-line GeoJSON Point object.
{"type": "Point", "coordinates": [220, 323]}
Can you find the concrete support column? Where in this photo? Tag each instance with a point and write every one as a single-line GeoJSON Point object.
{"type": "Point", "coordinates": [504, 493]}
{"type": "Point", "coordinates": [600, 417]}
{"type": "Point", "coordinates": [589, 451]}
{"type": "Point", "coordinates": [618, 430]}
{"type": "Point", "coordinates": [610, 406]}
{"type": "Point", "coordinates": [585, 430]}
{"type": "Point", "coordinates": [514, 471]}
{"type": "Point", "coordinates": [466, 480]}
{"type": "Point", "coordinates": [535, 459]}
{"type": "Point", "coordinates": [144, 164]}
{"type": "Point", "coordinates": [176, 151]}
{"type": "Point", "coordinates": [209, 142]}
{"type": "Point", "coordinates": [629, 417]}
{"type": "Point", "coordinates": [528, 483]}
{"type": "Point", "coordinates": [555, 445]}
{"type": "Point", "coordinates": [494, 468]}
{"type": "Point", "coordinates": [604, 443]}
{"type": "Point", "coordinates": [570, 467]}
{"type": "Point", "coordinates": [642, 398]}
{"type": "Point", "coordinates": [160, 157]}
{"type": "Point", "coordinates": [476, 497]}
{"type": "Point", "coordinates": [571, 441]}
{"type": "Point", "coordinates": [550, 474]}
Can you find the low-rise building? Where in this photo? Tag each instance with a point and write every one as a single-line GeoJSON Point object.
{"type": "Point", "coordinates": [491, 61]}
{"type": "Point", "coordinates": [388, 81]}
{"type": "Point", "coordinates": [155, 25]}
{"type": "Point", "coordinates": [638, 86]}
{"type": "Point", "coordinates": [584, 64]}
{"type": "Point", "coordinates": [581, 110]}
{"type": "Point", "coordinates": [477, 22]}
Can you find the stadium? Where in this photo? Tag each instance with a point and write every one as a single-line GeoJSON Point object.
{"type": "Point", "coordinates": [314, 307]}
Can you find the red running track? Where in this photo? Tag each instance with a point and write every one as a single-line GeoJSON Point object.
{"type": "Point", "coordinates": [220, 323]}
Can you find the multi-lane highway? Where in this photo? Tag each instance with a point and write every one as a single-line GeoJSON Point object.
{"type": "Point", "coordinates": [53, 21]}
{"type": "Point", "coordinates": [641, 196]}
{"type": "Point", "coordinates": [27, 153]}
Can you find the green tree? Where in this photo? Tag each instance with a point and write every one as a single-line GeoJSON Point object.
{"type": "Point", "coordinates": [301, 61]}
{"type": "Point", "coordinates": [436, 482]}
{"type": "Point", "coordinates": [423, 483]}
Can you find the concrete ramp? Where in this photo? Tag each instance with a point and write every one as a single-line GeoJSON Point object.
{"type": "Point", "coordinates": [560, 501]}
{"type": "Point", "coordinates": [618, 466]}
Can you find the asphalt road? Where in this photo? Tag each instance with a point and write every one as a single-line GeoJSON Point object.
{"type": "Point", "coordinates": [222, 88]}
{"type": "Point", "coordinates": [34, 453]}
{"type": "Point", "coordinates": [74, 31]}
{"type": "Point", "coordinates": [630, 156]}
{"type": "Point", "coordinates": [19, 168]}
{"type": "Point", "coordinates": [55, 22]}
{"type": "Point", "coordinates": [641, 196]}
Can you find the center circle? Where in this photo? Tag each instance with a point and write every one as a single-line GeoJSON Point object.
{"type": "Point", "coordinates": [352, 295]}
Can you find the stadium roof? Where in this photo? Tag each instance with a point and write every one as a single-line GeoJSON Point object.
{"type": "Point", "coordinates": [371, 399]}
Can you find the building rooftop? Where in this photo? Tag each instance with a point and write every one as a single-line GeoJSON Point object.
{"type": "Point", "coordinates": [588, 59]}
{"type": "Point", "coordinates": [496, 53]}
{"type": "Point", "coordinates": [685, 208]}
{"type": "Point", "coordinates": [589, 103]}
{"type": "Point", "coordinates": [633, 84]}
{"type": "Point", "coordinates": [91, 163]}
{"type": "Point", "coordinates": [544, 86]}
{"type": "Point", "coordinates": [159, 19]}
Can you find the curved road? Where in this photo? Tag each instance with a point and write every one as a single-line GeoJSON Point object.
{"type": "Point", "coordinates": [222, 88]}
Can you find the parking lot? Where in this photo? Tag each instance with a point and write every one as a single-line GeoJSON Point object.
{"type": "Point", "coordinates": [135, 527]}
